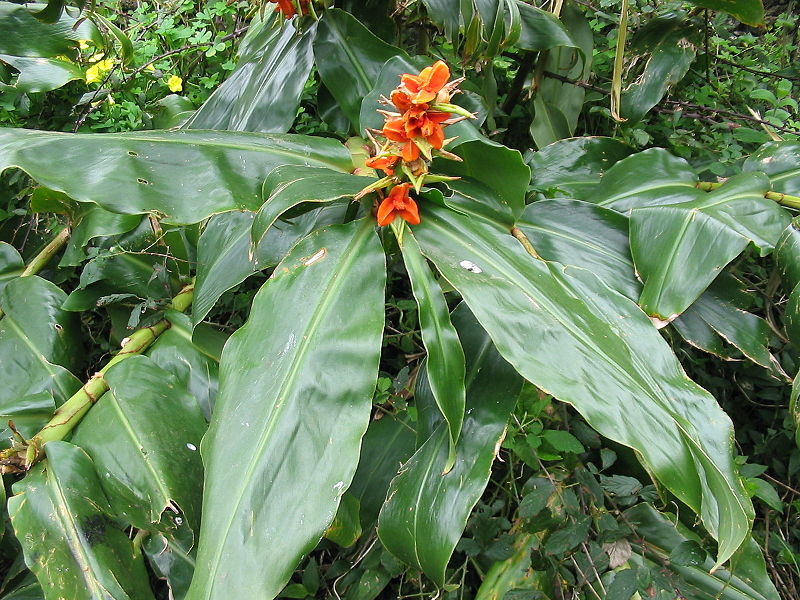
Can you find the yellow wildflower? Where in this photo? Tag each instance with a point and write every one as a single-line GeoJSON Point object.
{"type": "Point", "coordinates": [175, 83]}
{"type": "Point", "coordinates": [150, 68]}
{"type": "Point", "coordinates": [98, 70]}
{"type": "Point", "coordinates": [83, 44]}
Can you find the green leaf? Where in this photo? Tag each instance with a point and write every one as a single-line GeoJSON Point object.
{"type": "Point", "coordinates": [346, 527]}
{"type": "Point", "coordinates": [718, 310]}
{"type": "Point", "coordinates": [349, 58]}
{"type": "Point", "coordinates": [749, 12]}
{"type": "Point", "coordinates": [285, 413]}
{"type": "Point", "coordinates": [61, 514]}
{"type": "Point", "coordinates": [549, 124]}
{"type": "Point", "coordinates": [573, 167]}
{"type": "Point", "coordinates": [666, 46]}
{"type": "Point", "coordinates": [746, 579]}
{"type": "Point", "coordinates": [287, 187]}
{"type": "Point", "coordinates": [563, 441]}
{"type": "Point", "coordinates": [185, 176]}
{"type": "Point", "coordinates": [624, 585]}
{"type": "Point", "coordinates": [94, 222]}
{"type": "Point", "coordinates": [426, 511]}
{"type": "Point", "coordinates": [172, 558]}
{"type": "Point", "coordinates": [584, 235]}
{"type": "Point", "coordinates": [653, 177]}
{"type": "Point", "coordinates": [445, 357]}
{"type": "Point", "coordinates": [21, 34]}
{"type": "Point", "coordinates": [679, 249]}
{"type": "Point", "coordinates": [388, 443]}
{"type": "Point", "coordinates": [224, 259]}
{"type": "Point", "coordinates": [144, 437]}
{"type": "Point", "coordinates": [446, 14]}
{"type": "Point", "coordinates": [766, 492]}
{"type": "Point", "coordinates": [781, 162]}
{"type": "Point", "coordinates": [264, 91]}
{"type": "Point", "coordinates": [42, 74]}
{"type": "Point", "coordinates": [622, 377]}
{"type": "Point", "coordinates": [11, 264]}
{"type": "Point", "coordinates": [192, 356]}
{"type": "Point", "coordinates": [43, 340]}
{"type": "Point", "coordinates": [541, 30]}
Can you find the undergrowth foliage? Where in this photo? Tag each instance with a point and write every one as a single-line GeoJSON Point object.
{"type": "Point", "coordinates": [485, 299]}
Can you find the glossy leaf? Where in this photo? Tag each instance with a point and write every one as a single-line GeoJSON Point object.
{"type": "Point", "coordinates": [285, 414]}
{"type": "Point", "coordinates": [71, 544]}
{"type": "Point", "coordinates": [573, 167]}
{"type": "Point", "coordinates": [750, 12]}
{"type": "Point", "coordinates": [349, 58]}
{"type": "Point", "coordinates": [585, 235]}
{"type": "Point", "coordinates": [186, 176]}
{"type": "Point", "coordinates": [11, 264]}
{"type": "Point", "coordinates": [224, 259]}
{"type": "Point", "coordinates": [649, 178]}
{"type": "Point", "coordinates": [666, 46]}
{"type": "Point", "coordinates": [446, 14]}
{"type": "Point", "coordinates": [549, 123]}
{"type": "Point", "coordinates": [192, 356]}
{"type": "Point", "coordinates": [288, 187]}
{"type": "Point", "coordinates": [22, 34]}
{"type": "Point", "coordinates": [144, 437]}
{"type": "Point", "coordinates": [264, 91]}
{"type": "Point", "coordinates": [720, 310]}
{"type": "Point", "coordinates": [787, 256]}
{"type": "Point", "coordinates": [794, 407]}
{"type": "Point", "coordinates": [426, 510]}
{"type": "Point", "coordinates": [781, 162]}
{"type": "Point", "coordinates": [172, 558]}
{"type": "Point", "coordinates": [444, 365]}
{"type": "Point", "coordinates": [39, 343]}
{"type": "Point", "coordinates": [388, 443]}
{"type": "Point", "coordinates": [541, 30]}
{"type": "Point", "coordinates": [679, 249]}
{"type": "Point", "coordinates": [576, 339]}
{"type": "Point", "coordinates": [42, 74]}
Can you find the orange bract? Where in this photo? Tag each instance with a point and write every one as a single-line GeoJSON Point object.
{"type": "Point", "coordinates": [288, 8]}
{"type": "Point", "coordinates": [425, 86]}
{"type": "Point", "coordinates": [384, 163]}
{"type": "Point", "coordinates": [398, 203]}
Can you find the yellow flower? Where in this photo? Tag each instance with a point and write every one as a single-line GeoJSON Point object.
{"type": "Point", "coordinates": [98, 70]}
{"type": "Point", "coordinates": [83, 44]}
{"type": "Point", "coordinates": [150, 68]}
{"type": "Point", "coordinates": [175, 83]}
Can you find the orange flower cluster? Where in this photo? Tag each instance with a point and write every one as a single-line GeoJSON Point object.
{"type": "Point", "coordinates": [289, 9]}
{"type": "Point", "coordinates": [412, 134]}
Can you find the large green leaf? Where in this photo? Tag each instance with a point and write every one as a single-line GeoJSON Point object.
{"type": "Point", "coordinates": [39, 343]}
{"type": "Point", "coordinates": [388, 443]}
{"type": "Point", "coordinates": [144, 437]}
{"type": "Point", "coordinates": [584, 235]}
{"type": "Point", "coordinates": [349, 58]}
{"type": "Point", "coordinates": [666, 46]}
{"type": "Point", "coordinates": [286, 416]}
{"type": "Point", "coordinates": [650, 178]}
{"type": "Point", "coordinates": [62, 517]}
{"type": "Point", "coordinates": [94, 222]}
{"type": "Point", "coordinates": [781, 162]}
{"type": "Point", "coordinates": [573, 167]}
{"type": "Point", "coordinates": [264, 91]}
{"type": "Point", "coordinates": [185, 176]}
{"type": "Point", "coordinates": [444, 365]}
{"type": "Point", "coordinates": [679, 249]}
{"type": "Point", "coordinates": [787, 255]}
{"type": "Point", "coordinates": [224, 259]}
{"type": "Point", "coordinates": [192, 356]}
{"type": "Point", "coordinates": [426, 510]}
{"type": "Point", "coordinates": [22, 34]}
{"type": "Point", "coordinates": [549, 123]}
{"type": "Point", "coordinates": [541, 30]}
{"type": "Point", "coordinates": [11, 264]}
{"type": "Point", "coordinates": [750, 12]}
{"type": "Point", "coordinates": [41, 74]}
{"type": "Point", "coordinates": [587, 345]}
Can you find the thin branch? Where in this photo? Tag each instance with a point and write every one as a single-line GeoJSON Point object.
{"type": "Point", "coordinates": [755, 71]}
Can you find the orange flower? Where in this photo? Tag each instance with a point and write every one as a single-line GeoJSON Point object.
{"type": "Point", "coordinates": [384, 163]}
{"type": "Point", "coordinates": [395, 130]}
{"type": "Point", "coordinates": [426, 125]}
{"type": "Point", "coordinates": [288, 8]}
{"type": "Point", "coordinates": [398, 203]}
{"type": "Point", "coordinates": [425, 86]}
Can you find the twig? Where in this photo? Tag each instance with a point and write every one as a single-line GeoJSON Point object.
{"type": "Point", "coordinates": [755, 71]}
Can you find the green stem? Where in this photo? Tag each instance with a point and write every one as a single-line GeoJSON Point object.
{"type": "Point", "coordinates": [779, 197]}
{"type": "Point", "coordinates": [22, 457]}
{"type": "Point", "coordinates": [41, 259]}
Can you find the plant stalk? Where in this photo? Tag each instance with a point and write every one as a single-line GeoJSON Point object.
{"type": "Point", "coordinates": [526, 243]}
{"type": "Point", "coordinates": [779, 197]}
{"type": "Point", "coordinates": [22, 456]}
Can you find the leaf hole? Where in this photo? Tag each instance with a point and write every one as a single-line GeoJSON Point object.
{"type": "Point", "coordinates": [132, 153]}
{"type": "Point", "coordinates": [143, 181]}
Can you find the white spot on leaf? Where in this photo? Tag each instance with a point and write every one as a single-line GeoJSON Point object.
{"type": "Point", "coordinates": [470, 266]}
